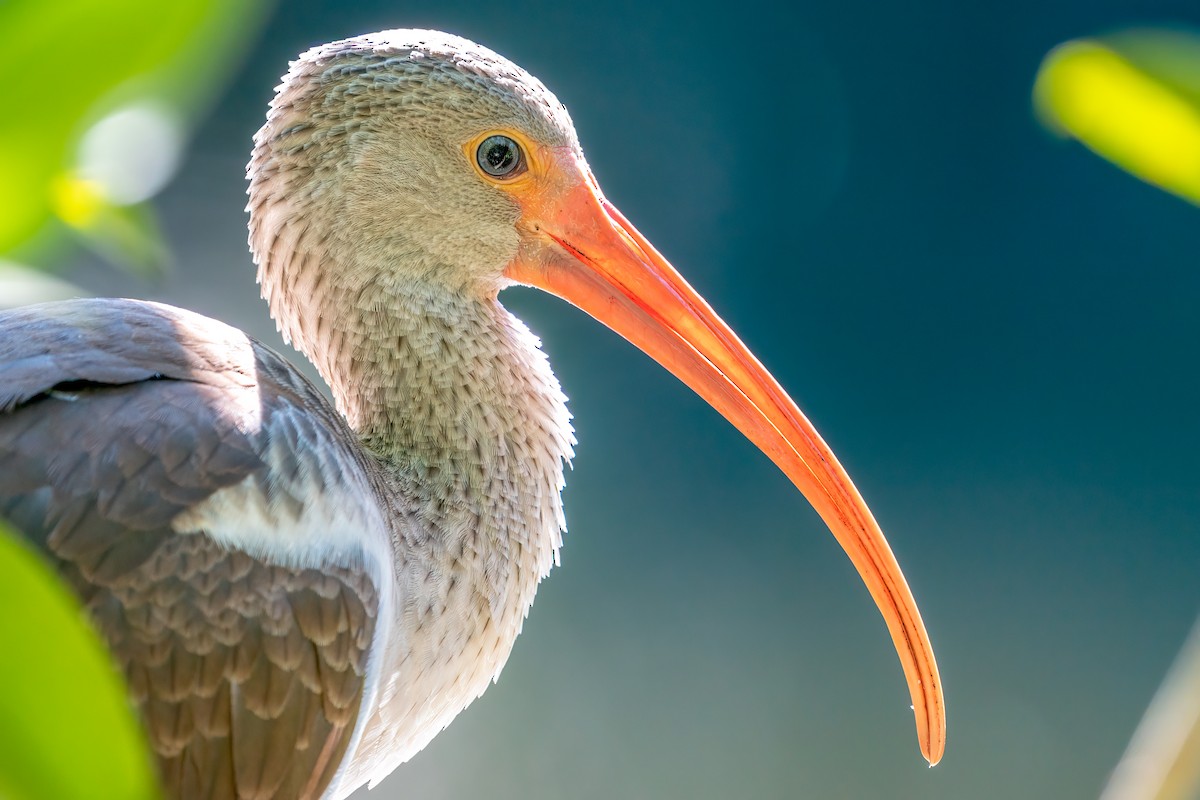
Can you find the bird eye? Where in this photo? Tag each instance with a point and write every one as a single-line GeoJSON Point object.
{"type": "Point", "coordinates": [500, 157]}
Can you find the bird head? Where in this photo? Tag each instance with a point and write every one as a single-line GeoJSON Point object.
{"type": "Point", "coordinates": [409, 156]}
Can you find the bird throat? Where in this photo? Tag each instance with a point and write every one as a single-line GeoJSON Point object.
{"type": "Point", "coordinates": [453, 396]}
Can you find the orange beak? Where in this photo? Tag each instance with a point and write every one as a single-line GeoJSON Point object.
{"type": "Point", "coordinates": [599, 262]}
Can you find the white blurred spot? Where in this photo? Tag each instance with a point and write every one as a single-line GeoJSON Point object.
{"type": "Point", "coordinates": [132, 153]}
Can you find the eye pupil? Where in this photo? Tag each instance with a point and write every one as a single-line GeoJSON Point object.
{"type": "Point", "coordinates": [499, 156]}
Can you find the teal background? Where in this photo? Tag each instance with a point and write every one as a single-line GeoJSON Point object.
{"type": "Point", "coordinates": [994, 329]}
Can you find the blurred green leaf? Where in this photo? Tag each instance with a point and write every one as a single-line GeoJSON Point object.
{"type": "Point", "coordinates": [68, 65]}
{"type": "Point", "coordinates": [1132, 98]}
{"type": "Point", "coordinates": [66, 727]}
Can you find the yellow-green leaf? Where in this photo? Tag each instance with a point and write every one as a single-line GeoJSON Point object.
{"type": "Point", "coordinates": [67, 729]}
{"type": "Point", "coordinates": [67, 65]}
{"type": "Point", "coordinates": [1134, 99]}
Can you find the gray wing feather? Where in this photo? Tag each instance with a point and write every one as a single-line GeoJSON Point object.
{"type": "Point", "coordinates": [115, 417]}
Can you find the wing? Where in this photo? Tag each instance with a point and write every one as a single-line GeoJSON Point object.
{"type": "Point", "coordinates": [186, 482]}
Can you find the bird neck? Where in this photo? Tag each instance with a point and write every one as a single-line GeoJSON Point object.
{"type": "Point", "coordinates": [454, 398]}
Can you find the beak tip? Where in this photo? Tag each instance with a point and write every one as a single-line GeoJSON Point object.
{"type": "Point", "coordinates": [934, 746]}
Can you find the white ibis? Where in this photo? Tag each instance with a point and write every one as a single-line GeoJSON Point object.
{"type": "Point", "coordinates": [302, 597]}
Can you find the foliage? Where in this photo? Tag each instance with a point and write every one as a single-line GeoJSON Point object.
{"type": "Point", "coordinates": [1134, 99]}
{"type": "Point", "coordinates": [98, 96]}
{"type": "Point", "coordinates": [66, 728]}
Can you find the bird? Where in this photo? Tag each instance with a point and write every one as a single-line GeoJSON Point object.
{"type": "Point", "coordinates": [301, 593]}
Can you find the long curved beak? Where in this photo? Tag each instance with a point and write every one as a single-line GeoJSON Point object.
{"type": "Point", "coordinates": [615, 275]}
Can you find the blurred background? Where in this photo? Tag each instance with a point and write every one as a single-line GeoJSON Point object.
{"type": "Point", "coordinates": [995, 330]}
